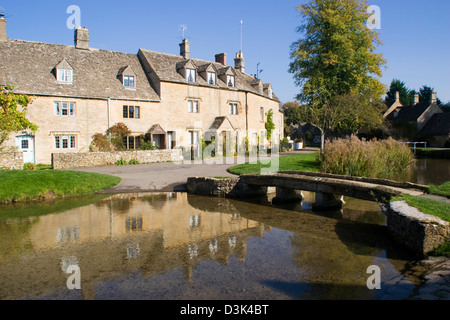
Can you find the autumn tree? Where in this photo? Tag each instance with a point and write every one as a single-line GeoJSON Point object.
{"type": "Point", "coordinates": [13, 113]}
{"type": "Point", "coordinates": [335, 57]}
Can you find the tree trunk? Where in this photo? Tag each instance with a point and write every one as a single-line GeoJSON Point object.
{"type": "Point", "coordinates": [322, 140]}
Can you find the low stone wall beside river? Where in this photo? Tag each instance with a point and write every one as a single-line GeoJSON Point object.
{"type": "Point", "coordinates": [418, 231]}
{"type": "Point", "coordinates": [12, 160]}
{"type": "Point", "coordinates": [63, 161]}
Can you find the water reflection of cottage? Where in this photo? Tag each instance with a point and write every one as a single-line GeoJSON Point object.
{"type": "Point", "coordinates": [148, 237]}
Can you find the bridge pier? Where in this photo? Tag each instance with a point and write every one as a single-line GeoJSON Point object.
{"type": "Point", "coordinates": [327, 201]}
{"type": "Point", "coordinates": [284, 195]}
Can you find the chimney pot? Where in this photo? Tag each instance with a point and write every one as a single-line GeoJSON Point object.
{"type": "Point", "coordinates": [416, 99]}
{"type": "Point", "coordinates": [185, 49]}
{"type": "Point", "coordinates": [81, 38]}
{"type": "Point", "coordinates": [3, 35]}
{"type": "Point", "coordinates": [239, 62]}
{"type": "Point", "coordinates": [433, 97]}
{"type": "Point", "coordinates": [221, 58]}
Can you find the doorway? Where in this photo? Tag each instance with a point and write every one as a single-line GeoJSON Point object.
{"type": "Point", "coordinates": [26, 145]}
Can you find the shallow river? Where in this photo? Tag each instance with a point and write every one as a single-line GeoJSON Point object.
{"type": "Point", "coordinates": [176, 246]}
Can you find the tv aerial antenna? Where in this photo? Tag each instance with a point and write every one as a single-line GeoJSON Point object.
{"type": "Point", "coordinates": [241, 36]}
{"type": "Point", "coordinates": [258, 71]}
{"type": "Point", "coordinates": [183, 29]}
{"type": "Point", "coordinates": [3, 13]}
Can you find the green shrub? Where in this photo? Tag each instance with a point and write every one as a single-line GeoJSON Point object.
{"type": "Point", "coordinates": [374, 159]}
{"type": "Point", "coordinates": [30, 166]}
{"type": "Point", "coordinates": [147, 145]}
{"type": "Point", "coordinates": [120, 162]}
{"type": "Point", "coordinates": [133, 161]}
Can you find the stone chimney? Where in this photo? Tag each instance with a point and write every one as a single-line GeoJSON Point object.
{"type": "Point", "coordinates": [3, 36]}
{"type": "Point", "coordinates": [397, 96]}
{"type": "Point", "coordinates": [416, 99]}
{"type": "Point", "coordinates": [221, 58]}
{"type": "Point", "coordinates": [239, 62]}
{"type": "Point", "coordinates": [82, 38]}
{"type": "Point", "coordinates": [433, 97]}
{"type": "Point", "coordinates": [185, 49]}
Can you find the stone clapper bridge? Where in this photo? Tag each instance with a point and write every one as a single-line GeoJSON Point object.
{"type": "Point", "coordinates": [420, 232]}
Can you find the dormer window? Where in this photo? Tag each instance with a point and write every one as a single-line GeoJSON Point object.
{"type": "Point", "coordinates": [230, 81]}
{"type": "Point", "coordinates": [128, 77]}
{"type": "Point", "coordinates": [64, 72]}
{"type": "Point", "coordinates": [208, 72]}
{"type": "Point", "coordinates": [228, 76]}
{"type": "Point", "coordinates": [212, 78]}
{"type": "Point", "coordinates": [65, 75]}
{"type": "Point", "coordinates": [129, 81]}
{"type": "Point", "coordinates": [191, 75]}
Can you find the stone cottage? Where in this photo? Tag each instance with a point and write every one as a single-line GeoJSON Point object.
{"type": "Point", "coordinates": [423, 121]}
{"type": "Point", "coordinates": [173, 99]}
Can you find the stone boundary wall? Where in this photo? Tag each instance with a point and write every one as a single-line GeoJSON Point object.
{"type": "Point", "coordinates": [418, 231]}
{"type": "Point", "coordinates": [12, 160]}
{"type": "Point", "coordinates": [224, 188]}
{"type": "Point", "coordinates": [63, 161]}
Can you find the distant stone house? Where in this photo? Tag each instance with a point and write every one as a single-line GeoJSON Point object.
{"type": "Point", "coordinates": [437, 131]}
{"type": "Point", "coordinates": [423, 121]}
{"type": "Point", "coordinates": [172, 99]}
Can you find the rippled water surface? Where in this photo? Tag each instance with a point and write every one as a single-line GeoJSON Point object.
{"type": "Point", "coordinates": [177, 246]}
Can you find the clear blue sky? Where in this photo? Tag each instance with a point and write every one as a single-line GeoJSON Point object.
{"type": "Point", "coordinates": [415, 33]}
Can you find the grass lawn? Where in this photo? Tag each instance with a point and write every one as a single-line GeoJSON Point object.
{"type": "Point", "coordinates": [442, 190]}
{"type": "Point", "coordinates": [24, 185]}
{"type": "Point", "coordinates": [298, 162]}
{"type": "Point", "coordinates": [429, 206]}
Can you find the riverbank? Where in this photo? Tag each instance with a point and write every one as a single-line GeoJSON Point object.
{"type": "Point", "coordinates": [25, 185]}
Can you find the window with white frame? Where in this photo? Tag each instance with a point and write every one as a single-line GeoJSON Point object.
{"type": "Point", "coordinates": [233, 108]}
{"type": "Point", "coordinates": [193, 106]}
{"type": "Point", "coordinates": [191, 75]}
{"type": "Point", "coordinates": [65, 142]}
{"type": "Point", "coordinates": [211, 77]}
{"type": "Point", "coordinates": [129, 82]}
{"type": "Point", "coordinates": [230, 81]}
{"type": "Point", "coordinates": [65, 108]}
{"type": "Point", "coordinates": [64, 75]}
{"type": "Point", "coordinates": [194, 137]}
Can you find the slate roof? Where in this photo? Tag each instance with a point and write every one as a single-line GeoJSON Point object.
{"type": "Point", "coordinates": [408, 113]}
{"type": "Point", "coordinates": [166, 67]}
{"type": "Point", "coordinates": [439, 124]}
{"type": "Point", "coordinates": [30, 67]}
